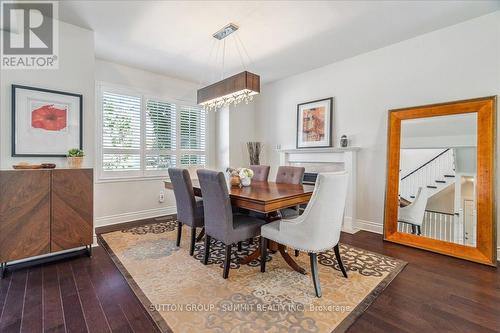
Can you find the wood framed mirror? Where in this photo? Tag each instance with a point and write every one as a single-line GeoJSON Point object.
{"type": "Point", "coordinates": [440, 191]}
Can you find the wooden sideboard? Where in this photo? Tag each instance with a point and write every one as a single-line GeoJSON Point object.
{"type": "Point", "coordinates": [44, 211]}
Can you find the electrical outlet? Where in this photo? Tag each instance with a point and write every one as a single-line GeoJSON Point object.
{"type": "Point", "coordinates": [161, 197]}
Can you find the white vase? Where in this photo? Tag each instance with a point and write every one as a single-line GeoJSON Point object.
{"type": "Point", "coordinates": [246, 181]}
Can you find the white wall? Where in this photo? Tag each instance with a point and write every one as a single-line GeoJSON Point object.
{"type": "Point", "coordinates": [120, 201]}
{"type": "Point", "coordinates": [458, 62]}
{"type": "Point", "coordinates": [75, 74]}
{"type": "Point", "coordinates": [241, 131]}
{"type": "Point", "coordinates": [235, 126]}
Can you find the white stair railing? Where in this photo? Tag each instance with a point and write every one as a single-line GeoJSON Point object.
{"type": "Point", "coordinates": [427, 175]}
{"type": "Point", "coordinates": [436, 225]}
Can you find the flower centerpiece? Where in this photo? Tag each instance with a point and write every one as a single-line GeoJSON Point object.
{"type": "Point", "coordinates": [245, 176]}
{"type": "Point", "coordinates": [75, 158]}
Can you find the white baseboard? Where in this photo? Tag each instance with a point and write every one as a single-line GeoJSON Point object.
{"type": "Point", "coordinates": [133, 216]}
{"type": "Point", "coordinates": [349, 226]}
{"type": "Point", "coordinates": [370, 226]}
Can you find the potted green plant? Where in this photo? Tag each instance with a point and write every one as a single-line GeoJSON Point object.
{"type": "Point", "coordinates": [75, 158]}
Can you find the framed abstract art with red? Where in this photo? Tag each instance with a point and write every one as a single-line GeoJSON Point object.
{"type": "Point", "coordinates": [314, 124]}
{"type": "Point", "coordinates": [45, 122]}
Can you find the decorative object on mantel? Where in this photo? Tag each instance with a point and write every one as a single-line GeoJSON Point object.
{"type": "Point", "coordinates": [45, 122]}
{"type": "Point", "coordinates": [231, 90]}
{"type": "Point", "coordinates": [234, 177]}
{"type": "Point", "coordinates": [245, 176]}
{"type": "Point", "coordinates": [75, 158]}
{"type": "Point", "coordinates": [343, 141]}
{"type": "Point", "coordinates": [254, 150]}
{"type": "Point", "coordinates": [314, 124]}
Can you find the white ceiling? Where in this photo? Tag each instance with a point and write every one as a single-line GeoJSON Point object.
{"type": "Point", "coordinates": [282, 37]}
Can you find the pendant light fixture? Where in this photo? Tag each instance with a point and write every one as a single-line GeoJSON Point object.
{"type": "Point", "coordinates": [231, 90]}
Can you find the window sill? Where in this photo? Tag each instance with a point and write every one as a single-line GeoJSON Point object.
{"type": "Point", "coordinates": [105, 180]}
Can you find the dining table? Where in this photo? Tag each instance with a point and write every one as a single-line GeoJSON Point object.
{"type": "Point", "coordinates": [266, 198]}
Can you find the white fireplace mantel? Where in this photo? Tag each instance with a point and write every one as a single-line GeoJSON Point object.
{"type": "Point", "coordinates": [346, 156]}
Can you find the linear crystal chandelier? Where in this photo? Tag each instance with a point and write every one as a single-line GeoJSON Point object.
{"type": "Point", "coordinates": [231, 90]}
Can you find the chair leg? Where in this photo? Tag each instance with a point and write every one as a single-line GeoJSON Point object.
{"type": "Point", "coordinates": [239, 246]}
{"type": "Point", "coordinates": [413, 229]}
{"type": "Point", "coordinates": [179, 233]}
{"type": "Point", "coordinates": [207, 249]}
{"type": "Point", "coordinates": [297, 253]}
{"type": "Point", "coordinates": [263, 254]}
{"type": "Point", "coordinates": [227, 261]}
{"type": "Point", "coordinates": [339, 260]}
{"type": "Point", "coordinates": [250, 241]}
{"type": "Point", "coordinates": [314, 273]}
{"type": "Point", "coordinates": [419, 230]}
{"type": "Point", "coordinates": [193, 241]}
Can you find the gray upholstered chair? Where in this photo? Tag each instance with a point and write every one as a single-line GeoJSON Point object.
{"type": "Point", "coordinates": [260, 172]}
{"type": "Point", "coordinates": [290, 175]}
{"type": "Point", "coordinates": [189, 208]}
{"type": "Point", "coordinates": [317, 229]}
{"type": "Point", "coordinates": [220, 222]}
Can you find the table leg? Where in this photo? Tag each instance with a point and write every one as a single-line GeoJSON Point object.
{"type": "Point", "coordinates": [251, 257]}
{"type": "Point", "coordinates": [290, 261]}
{"type": "Point", "coordinates": [281, 248]}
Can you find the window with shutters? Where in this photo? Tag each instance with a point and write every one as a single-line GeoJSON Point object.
{"type": "Point", "coordinates": [160, 135]}
{"type": "Point", "coordinates": [144, 136]}
{"type": "Point", "coordinates": [121, 132]}
{"type": "Point", "coordinates": [192, 135]}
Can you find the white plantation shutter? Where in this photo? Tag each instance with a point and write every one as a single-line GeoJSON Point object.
{"type": "Point", "coordinates": [192, 127]}
{"type": "Point", "coordinates": [121, 132]}
{"type": "Point", "coordinates": [145, 136]}
{"type": "Point", "coordinates": [160, 135]}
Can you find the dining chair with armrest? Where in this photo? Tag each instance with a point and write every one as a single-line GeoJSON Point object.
{"type": "Point", "coordinates": [413, 214]}
{"type": "Point", "coordinates": [189, 208]}
{"type": "Point", "coordinates": [220, 222]}
{"type": "Point", "coordinates": [318, 228]}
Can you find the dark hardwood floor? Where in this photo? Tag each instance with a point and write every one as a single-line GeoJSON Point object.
{"type": "Point", "coordinates": [78, 294]}
{"type": "Point", "coordinates": [434, 293]}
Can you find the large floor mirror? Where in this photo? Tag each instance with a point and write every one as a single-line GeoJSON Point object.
{"type": "Point", "coordinates": [440, 179]}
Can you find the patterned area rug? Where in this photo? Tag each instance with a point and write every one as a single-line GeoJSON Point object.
{"type": "Point", "coordinates": [183, 295]}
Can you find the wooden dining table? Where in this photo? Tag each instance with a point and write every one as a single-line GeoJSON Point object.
{"type": "Point", "coordinates": [266, 198]}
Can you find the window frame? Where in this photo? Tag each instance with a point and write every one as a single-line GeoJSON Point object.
{"type": "Point", "coordinates": [142, 173]}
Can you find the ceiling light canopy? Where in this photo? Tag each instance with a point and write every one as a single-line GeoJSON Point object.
{"type": "Point", "coordinates": [231, 90]}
